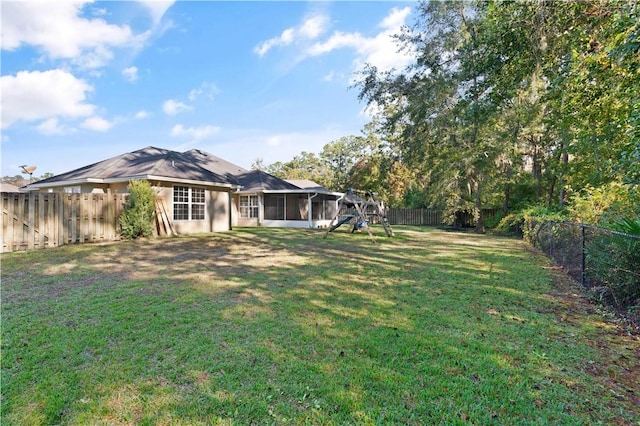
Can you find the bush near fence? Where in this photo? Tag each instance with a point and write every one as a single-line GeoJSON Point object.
{"type": "Point", "coordinates": [605, 262]}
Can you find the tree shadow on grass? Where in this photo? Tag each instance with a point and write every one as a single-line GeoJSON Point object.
{"type": "Point", "coordinates": [283, 326]}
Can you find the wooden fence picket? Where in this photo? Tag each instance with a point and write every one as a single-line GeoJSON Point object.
{"type": "Point", "coordinates": [44, 220]}
{"type": "Point", "coordinates": [429, 217]}
{"type": "Point", "coordinates": [41, 220]}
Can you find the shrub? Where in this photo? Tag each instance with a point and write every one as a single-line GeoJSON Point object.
{"type": "Point", "coordinates": [491, 221]}
{"type": "Point", "coordinates": [526, 222]}
{"type": "Point", "coordinates": [139, 211]}
{"type": "Point", "coordinates": [605, 205]}
{"type": "Point", "coordinates": [613, 261]}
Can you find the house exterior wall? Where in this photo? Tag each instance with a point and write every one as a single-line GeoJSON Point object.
{"type": "Point", "coordinates": [216, 213]}
{"type": "Point", "coordinates": [217, 204]}
{"type": "Point", "coordinates": [219, 211]}
{"type": "Point", "coordinates": [236, 220]}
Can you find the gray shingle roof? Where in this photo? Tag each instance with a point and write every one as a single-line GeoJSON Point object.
{"type": "Point", "coordinates": [258, 181]}
{"type": "Point", "coordinates": [193, 165]}
{"type": "Point", "coordinates": [306, 184]}
{"type": "Point", "coordinates": [216, 164]}
{"type": "Point", "coordinates": [8, 187]}
{"type": "Point", "coordinates": [149, 161]}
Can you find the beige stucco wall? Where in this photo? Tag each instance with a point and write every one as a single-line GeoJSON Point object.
{"type": "Point", "coordinates": [217, 202]}
{"type": "Point", "coordinates": [217, 210]}
{"type": "Point", "coordinates": [220, 210]}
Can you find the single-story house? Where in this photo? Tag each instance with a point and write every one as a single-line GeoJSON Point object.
{"type": "Point", "coordinates": [203, 193]}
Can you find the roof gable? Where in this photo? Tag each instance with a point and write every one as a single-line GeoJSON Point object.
{"type": "Point", "coordinates": [149, 161]}
{"type": "Point", "coordinates": [258, 181]}
{"type": "Point", "coordinates": [193, 165]}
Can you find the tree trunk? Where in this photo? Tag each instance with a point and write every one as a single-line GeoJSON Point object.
{"type": "Point", "coordinates": [565, 161]}
{"type": "Point", "coordinates": [505, 200]}
{"type": "Point", "coordinates": [478, 211]}
{"type": "Point", "coordinates": [552, 188]}
{"type": "Point", "coordinates": [507, 190]}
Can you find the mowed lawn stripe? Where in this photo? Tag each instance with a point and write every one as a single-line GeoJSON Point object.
{"type": "Point", "coordinates": [281, 326]}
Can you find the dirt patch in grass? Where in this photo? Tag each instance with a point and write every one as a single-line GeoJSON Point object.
{"type": "Point", "coordinates": [616, 341]}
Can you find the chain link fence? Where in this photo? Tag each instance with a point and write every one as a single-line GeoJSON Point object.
{"type": "Point", "coordinates": [605, 262]}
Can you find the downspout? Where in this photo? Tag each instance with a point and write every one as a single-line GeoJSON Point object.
{"type": "Point", "coordinates": [230, 207]}
{"type": "Point", "coordinates": [310, 212]}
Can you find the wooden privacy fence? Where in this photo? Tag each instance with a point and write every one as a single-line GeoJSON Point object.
{"type": "Point", "coordinates": [429, 217]}
{"type": "Point", "coordinates": [40, 220]}
{"type": "Point", "coordinates": [414, 217]}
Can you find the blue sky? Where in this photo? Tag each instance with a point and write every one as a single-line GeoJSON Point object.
{"type": "Point", "coordinates": [85, 81]}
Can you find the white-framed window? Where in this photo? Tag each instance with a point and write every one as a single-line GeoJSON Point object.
{"type": "Point", "coordinates": [248, 206]}
{"type": "Point", "coordinates": [188, 203]}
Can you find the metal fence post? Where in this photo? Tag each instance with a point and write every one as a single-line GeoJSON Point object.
{"type": "Point", "coordinates": [552, 224]}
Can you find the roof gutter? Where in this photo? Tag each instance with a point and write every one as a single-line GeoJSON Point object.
{"type": "Point", "coordinates": [301, 191]}
{"type": "Point", "coordinates": [35, 186]}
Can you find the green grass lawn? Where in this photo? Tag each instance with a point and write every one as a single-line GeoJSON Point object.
{"type": "Point", "coordinates": [275, 326]}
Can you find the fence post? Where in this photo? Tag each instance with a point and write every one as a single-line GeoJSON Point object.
{"type": "Point", "coordinates": [31, 220]}
{"type": "Point", "coordinates": [42, 230]}
{"type": "Point", "coordinates": [552, 223]}
{"type": "Point", "coordinates": [582, 277]}
{"type": "Point", "coordinates": [62, 224]}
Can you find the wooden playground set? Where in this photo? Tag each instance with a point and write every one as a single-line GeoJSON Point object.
{"type": "Point", "coordinates": [359, 209]}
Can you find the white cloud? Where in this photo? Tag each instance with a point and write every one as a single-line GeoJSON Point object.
{"type": "Point", "coordinates": [314, 26]}
{"type": "Point", "coordinates": [380, 50]}
{"type": "Point", "coordinates": [157, 9]}
{"type": "Point", "coordinates": [395, 19]}
{"type": "Point", "coordinates": [173, 107]}
{"type": "Point", "coordinates": [339, 40]}
{"type": "Point", "coordinates": [206, 89]}
{"type": "Point", "coordinates": [99, 11]}
{"type": "Point", "coordinates": [51, 126]}
{"type": "Point", "coordinates": [329, 77]}
{"type": "Point", "coordinates": [130, 73]}
{"type": "Point", "coordinates": [41, 95]}
{"type": "Point", "coordinates": [96, 123]}
{"type": "Point", "coordinates": [310, 29]}
{"type": "Point", "coordinates": [285, 38]}
{"type": "Point", "coordinates": [60, 32]}
{"type": "Point", "coordinates": [195, 133]}
{"type": "Point", "coordinates": [276, 140]}
{"type": "Point", "coordinates": [141, 114]}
